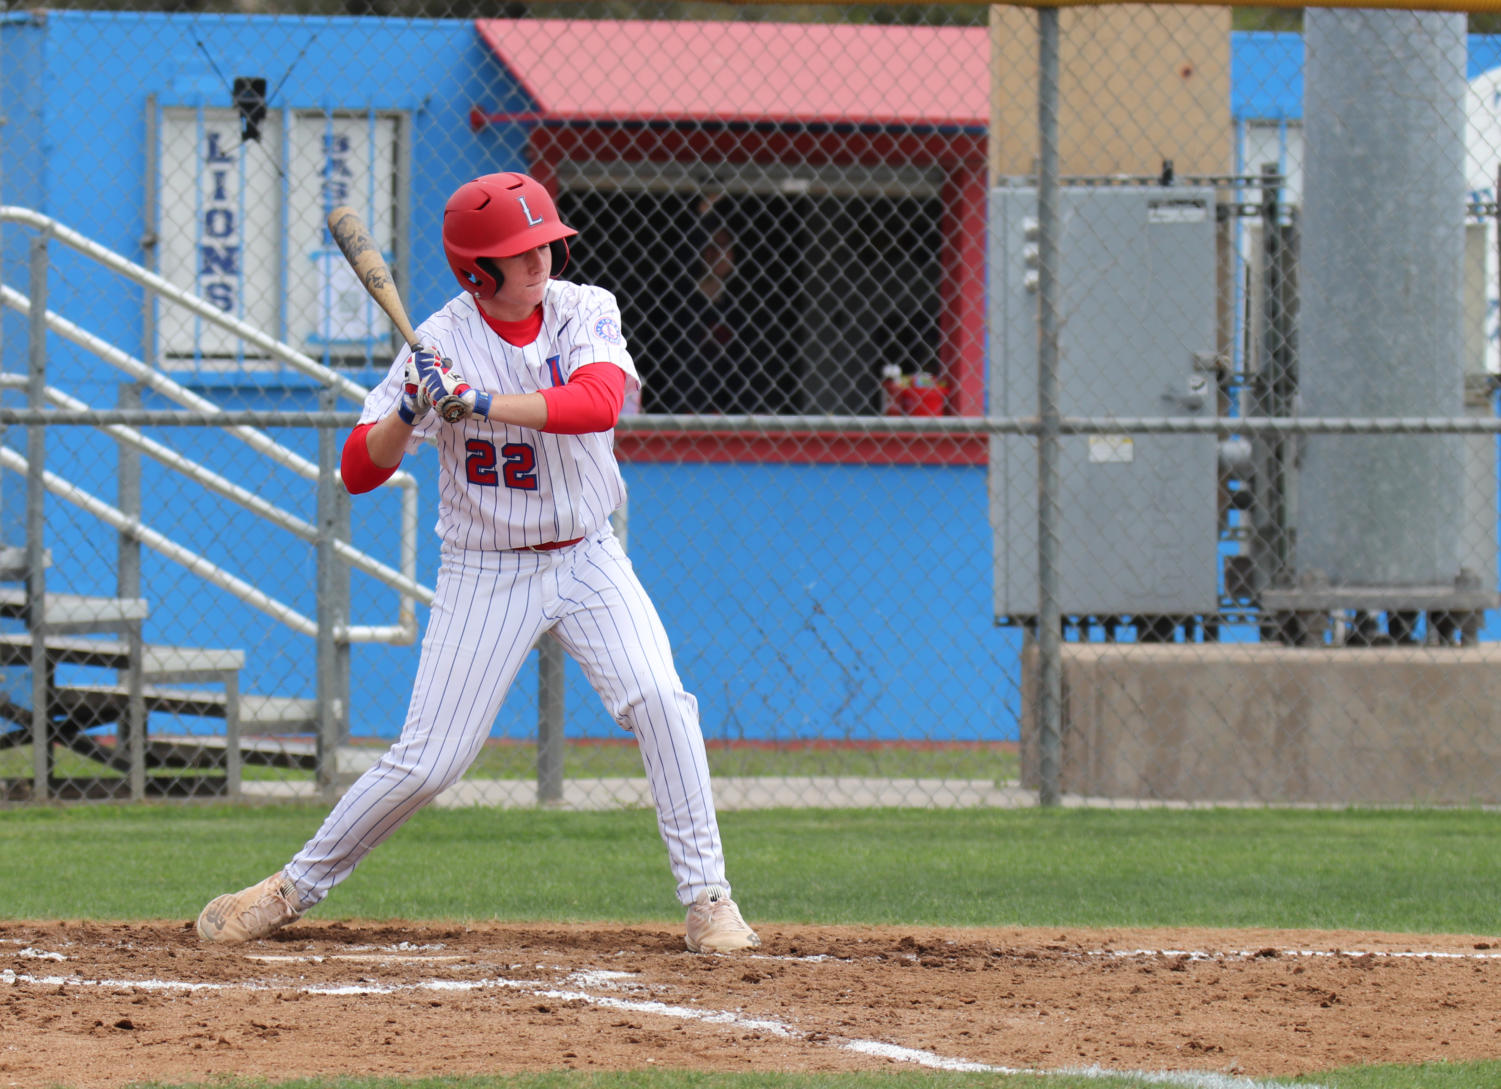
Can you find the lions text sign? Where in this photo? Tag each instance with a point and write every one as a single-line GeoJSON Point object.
{"type": "Point", "coordinates": [242, 224]}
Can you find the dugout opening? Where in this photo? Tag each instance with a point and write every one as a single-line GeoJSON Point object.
{"type": "Point", "coordinates": [758, 289]}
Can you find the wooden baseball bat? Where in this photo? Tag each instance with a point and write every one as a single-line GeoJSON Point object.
{"type": "Point", "coordinates": [364, 257]}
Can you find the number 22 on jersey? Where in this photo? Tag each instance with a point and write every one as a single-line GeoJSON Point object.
{"type": "Point", "coordinates": [515, 464]}
{"type": "Point", "coordinates": [520, 468]}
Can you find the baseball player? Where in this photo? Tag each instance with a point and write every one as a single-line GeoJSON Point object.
{"type": "Point", "coordinates": [519, 381]}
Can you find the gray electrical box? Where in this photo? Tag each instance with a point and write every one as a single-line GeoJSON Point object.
{"type": "Point", "coordinates": [1136, 321]}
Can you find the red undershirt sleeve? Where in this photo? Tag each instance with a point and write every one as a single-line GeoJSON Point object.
{"type": "Point", "coordinates": [360, 474]}
{"type": "Point", "coordinates": [589, 401]}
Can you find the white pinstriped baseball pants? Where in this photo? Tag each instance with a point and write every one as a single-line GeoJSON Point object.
{"type": "Point", "coordinates": [488, 610]}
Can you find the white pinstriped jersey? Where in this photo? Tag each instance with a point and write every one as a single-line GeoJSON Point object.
{"type": "Point", "coordinates": [503, 486]}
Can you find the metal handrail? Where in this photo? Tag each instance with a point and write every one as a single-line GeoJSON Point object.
{"type": "Point", "coordinates": [403, 581]}
{"type": "Point", "coordinates": [169, 388]}
{"type": "Point", "coordinates": [306, 364]}
{"type": "Point", "coordinates": [158, 542]}
{"type": "Point", "coordinates": [245, 498]}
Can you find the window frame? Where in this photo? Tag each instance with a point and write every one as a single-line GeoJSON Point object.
{"type": "Point", "coordinates": [560, 149]}
{"type": "Point", "coordinates": [217, 134]}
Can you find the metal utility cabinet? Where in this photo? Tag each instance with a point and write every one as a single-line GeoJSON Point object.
{"type": "Point", "coordinates": [1136, 299]}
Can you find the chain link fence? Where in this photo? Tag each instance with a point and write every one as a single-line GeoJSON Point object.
{"type": "Point", "coordinates": [1086, 404]}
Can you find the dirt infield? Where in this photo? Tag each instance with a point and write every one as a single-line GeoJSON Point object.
{"type": "Point", "coordinates": [87, 1004]}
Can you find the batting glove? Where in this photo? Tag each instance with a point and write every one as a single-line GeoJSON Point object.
{"type": "Point", "coordinates": [413, 405]}
{"type": "Point", "coordinates": [445, 389]}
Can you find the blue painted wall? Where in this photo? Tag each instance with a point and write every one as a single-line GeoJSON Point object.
{"type": "Point", "coordinates": [1266, 72]}
{"type": "Point", "coordinates": [1266, 75]}
{"type": "Point", "coordinates": [816, 601]}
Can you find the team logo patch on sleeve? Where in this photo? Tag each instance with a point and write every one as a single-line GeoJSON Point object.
{"type": "Point", "coordinates": [607, 330]}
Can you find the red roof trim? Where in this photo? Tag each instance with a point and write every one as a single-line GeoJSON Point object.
{"type": "Point", "coordinates": [783, 73]}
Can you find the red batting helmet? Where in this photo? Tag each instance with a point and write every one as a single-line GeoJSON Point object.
{"type": "Point", "coordinates": [499, 215]}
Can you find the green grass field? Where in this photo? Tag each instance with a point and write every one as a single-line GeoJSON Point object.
{"type": "Point", "coordinates": [1416, 871]}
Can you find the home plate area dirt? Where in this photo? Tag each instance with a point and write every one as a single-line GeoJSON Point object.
{"type": "Point", "coordinates": [91, 1004]}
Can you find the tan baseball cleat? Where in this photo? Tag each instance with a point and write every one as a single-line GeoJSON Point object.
{"type": "Point", "coordinates": [250, 913]}
{"type": "Point", "coordinates": [716, 926]}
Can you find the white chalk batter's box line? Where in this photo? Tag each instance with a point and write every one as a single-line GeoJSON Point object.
{"type": "Point", "coordinates": [608, 980]}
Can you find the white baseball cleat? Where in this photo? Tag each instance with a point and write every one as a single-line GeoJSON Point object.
{"type": "Point", "coordinates": [716, 926]}
{"type": "Point", "coordinates": [250, 913]}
